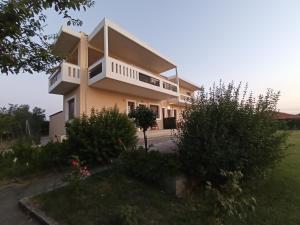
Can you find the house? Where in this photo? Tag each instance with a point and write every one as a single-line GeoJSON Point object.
{"type": "Point", "coordinates": [112, 67]}
{"type": "Point", "coordinates": [286, 116]}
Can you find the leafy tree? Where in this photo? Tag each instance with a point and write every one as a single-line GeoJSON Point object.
{"type": "Point", "coordinates": [144, 118]}
{"type": "Point", "coordinates": [13, 121]}
{"type": "Point", "coordinates": [24, 46]}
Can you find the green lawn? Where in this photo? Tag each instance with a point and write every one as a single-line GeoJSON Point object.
{"type": "Point", "coordinates": [104, 195]}
{"type": "Point", "coordinates": [279, 198]}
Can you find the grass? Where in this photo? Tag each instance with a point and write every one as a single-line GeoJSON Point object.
{"type": "Point", "coordinates": [278, 199]}
{"type": "Point", "coordinates": [105, 195]}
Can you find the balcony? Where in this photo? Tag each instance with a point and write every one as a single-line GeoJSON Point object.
{"type": "Point", "coordinates": [181, 100]}
{"type": "Point", "coordinates": [66, 78]}
{"type": "Point", "coordinates": [129, 79]}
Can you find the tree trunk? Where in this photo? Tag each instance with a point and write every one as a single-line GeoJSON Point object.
{"type": "Point", "coordinates": [145, 141]}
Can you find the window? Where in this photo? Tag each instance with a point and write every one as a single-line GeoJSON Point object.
{"type": "Point", "coordinates": [130, 106]}
{"type": "Point", "coordinates": [71, 109]}
{"type": "Point", "coordinates": [155, 109]}
{"type": "Point", "coordinates": [175, 114]}
{"type": "Point", "coordinates": [188, 93]}
{"type": "Point", "coordinates": [169, 87]}
{"type": "Point", "coordinates": [163, 113]}
{"type": "Point", "coordinates": [95, 71]}
{"type": "Point", "coordinates": [147, 79]}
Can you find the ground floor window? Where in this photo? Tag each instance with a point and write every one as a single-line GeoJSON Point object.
{"type": "Point", "coordinates": [155, 108]}
{"type": "Point", "coordinates": [71, 108]}
{"type": "Point", "coordinates": [130, 106]}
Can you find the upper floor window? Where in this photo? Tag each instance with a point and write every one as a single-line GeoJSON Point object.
{"type": "Point", "coordinates": [169, 86]}
{"type": "Point", "coordinates": [150, 80]}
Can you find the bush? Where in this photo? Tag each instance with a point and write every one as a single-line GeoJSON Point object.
{"type": "Point", "coordinates": [223, 130]}
{"type": "Point", "coordinates": [151, 166]}
{"type": "Point", "coordinates": [101, 136]}
{"type": "Point", "coordinates": [25, 158]}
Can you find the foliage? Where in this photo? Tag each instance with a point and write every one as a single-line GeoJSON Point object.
{"type": "Point", "coordinates": [223, 130]}
{"type": "Point", "coordinates": [144, 118]}
{"type": "Point", "coordinates": [227, 200]}
{"type": "Point", "coordinates": [101, 136]}
{"type": "Point", "coordinates": [129, 215]}
{"type": "Point", "coordinates": [26, 158]}
{"type": "Point", "coordinates": [78, 173]}
{"type": "Point", "coordinates": [24, 46]}
{"type": "Point", "coordinates": [151, 166]}
{"type": "Point", "coordinates": [17, 121]}
{"type": "Point", "coordinates": [290, 124]}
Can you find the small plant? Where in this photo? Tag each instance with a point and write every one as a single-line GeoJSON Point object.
{"type": "Point", "coordinates": [77, 174]}
{"type": "Point", "coordinates": [144, 118]}
{"type": "Point", "coordinates": [228, 200]}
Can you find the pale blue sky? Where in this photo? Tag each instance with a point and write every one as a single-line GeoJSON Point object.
{"type": "Point", "coordinates": [251, 41]}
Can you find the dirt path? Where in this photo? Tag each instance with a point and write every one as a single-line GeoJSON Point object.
{"type": "Point", "coordinates": [10, 213]}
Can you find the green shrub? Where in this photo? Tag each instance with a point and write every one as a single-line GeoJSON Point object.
{"type": "Point", "coordinates": [223, 130]}
{"type": "Point", "coordinates": [101, 136]}
{"type": "Point", "coordinates": [53, 155]}
{"type": "Point", "coordinates": [26, 158]}
{"type": "Point", "coordinates": [151, 166]}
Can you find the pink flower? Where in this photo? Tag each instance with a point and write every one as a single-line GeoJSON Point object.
{"type": "Point", "coordinates": [75, 163]}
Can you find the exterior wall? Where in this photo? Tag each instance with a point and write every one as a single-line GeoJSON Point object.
{"type": "Point", "coordinates": [98, 99]}
{"type": "Point", "coordinates": [73, 94]}
{"type": "Point", "coordinates": [184, 90]}
{"type": "Point", "coordinates": [57, 126]}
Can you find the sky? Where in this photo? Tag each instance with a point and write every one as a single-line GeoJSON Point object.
{"type": "Point", "coordinates": [255, 42]}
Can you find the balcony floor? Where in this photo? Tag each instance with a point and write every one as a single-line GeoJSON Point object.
{"type": "Point", "coordinates": [130, 89]}
{"type": "Point", "coordinates": [63, 87]}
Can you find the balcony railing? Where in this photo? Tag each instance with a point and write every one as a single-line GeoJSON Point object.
{"type": "Point", "coordinates": [185, 98]}
{"type": "Point", "coordinates": [63, 78]}
{"type": "Point", "coordinates": [137, 76]}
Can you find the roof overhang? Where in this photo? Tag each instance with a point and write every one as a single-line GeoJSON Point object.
{"type": "Point", "coordinates": [66, 41]}
{"type": "Point", "coordinates": [186, 84]}
{"type": "Point", "coordinates": [124, 45]}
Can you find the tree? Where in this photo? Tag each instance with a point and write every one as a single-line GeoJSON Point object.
{"type": "Point", "coordinates": [24, 46]}
{"type": "Point", "coordinates": [13, 121]}
{"type": "Point", "coordinates": [144, 118]}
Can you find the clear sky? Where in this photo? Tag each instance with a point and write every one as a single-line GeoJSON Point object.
{"type": "Point", "coordinates": [254, 41]}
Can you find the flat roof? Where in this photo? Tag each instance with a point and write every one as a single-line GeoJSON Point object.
{"type": "Point", "coordinates": [168, 63]}
{"type": "Point", "coordinates": [66, 41]}
{"type": "Point", "coordinates": [186, 83]}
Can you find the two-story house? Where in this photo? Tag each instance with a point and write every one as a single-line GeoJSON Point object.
{"type": "Point", "coordinates": [112, 67]}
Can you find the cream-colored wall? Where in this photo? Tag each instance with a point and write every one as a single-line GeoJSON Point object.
{"type": "Point", "coordinates": [73, 94]}
{"type": "Point", "coordinates": [57, 126]}
{"type": "Point", "coordinates": [183, 90]}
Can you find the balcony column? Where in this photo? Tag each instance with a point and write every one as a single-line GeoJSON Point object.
{"type": "Point", "coordinates": [105, 47]}
{"type": "Point", "coordinates": [83, 63]}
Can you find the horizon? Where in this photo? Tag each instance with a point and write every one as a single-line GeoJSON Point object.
{"type": "Point", "coordinates": [207, 41]}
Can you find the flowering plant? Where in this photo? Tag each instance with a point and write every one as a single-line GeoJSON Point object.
{"type": "Point", "coordinates": [78, 173]}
